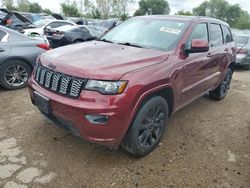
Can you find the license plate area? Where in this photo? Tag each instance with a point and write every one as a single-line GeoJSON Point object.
{"type": "Point", "coordinates": [42, 102]}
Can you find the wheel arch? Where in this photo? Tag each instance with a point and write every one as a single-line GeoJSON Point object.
{"type": "Point", "coordinates": [166, 91]}
{"type": "Point", "coordinates": [18, 59]}
{"type": "Point", "coordinates": [231, 65]}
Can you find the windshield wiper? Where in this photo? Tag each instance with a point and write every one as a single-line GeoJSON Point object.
{"type": "Point", "coordinates": [129, 44]}
{"type": "Point", "coordinates": [104, 40]}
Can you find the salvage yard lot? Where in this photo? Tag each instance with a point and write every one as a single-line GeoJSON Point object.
{"type": "Point", "coordinates": [206, 145]}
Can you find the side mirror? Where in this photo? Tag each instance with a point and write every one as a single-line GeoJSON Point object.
{"type": "Point", "coordinates": [198, 45]}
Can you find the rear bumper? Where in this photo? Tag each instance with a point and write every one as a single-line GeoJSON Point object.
{"type": "Point", "coordinates": [70, 114]}
{"type": "Point", "coordinates": [54, 43]}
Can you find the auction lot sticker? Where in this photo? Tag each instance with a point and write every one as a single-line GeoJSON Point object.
{"type": "Point", "coordinates": [170, 30]}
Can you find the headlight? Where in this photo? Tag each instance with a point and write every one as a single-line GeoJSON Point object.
{"type": "Point", "coordinates": [106, 87]}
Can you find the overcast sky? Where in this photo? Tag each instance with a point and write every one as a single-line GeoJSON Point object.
{"type": "Point", "coordinates": [175, 5]}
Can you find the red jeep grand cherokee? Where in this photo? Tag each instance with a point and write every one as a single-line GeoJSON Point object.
{"type": "Point", "coordinates": [123, 87]}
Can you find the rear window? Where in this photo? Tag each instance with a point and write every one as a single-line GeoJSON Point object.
{"type": "Point", "coordinates": [216, 35]}
{"type": "Point", "coordinates": [227, 34]}
{"type": "Point", "coordinates": [2, 34]}
{"type": "Point", "coordinates": [240, 39]}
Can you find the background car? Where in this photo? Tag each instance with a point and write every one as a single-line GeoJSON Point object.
{"type": "Point", "coordinates": [68, 34]}
{"type": "Point", "coordinates": [14, 20]}
{"type": "Point", "coordinates": [45, 24]}
{"type": "Point", "coordinates": [78, 21]}
{"type": "Point", "coordinates": [243, 50]}
{"type": "Point", "coordinates": [33, 17]}
{"type": "Point", "coordinates": [18, 55]}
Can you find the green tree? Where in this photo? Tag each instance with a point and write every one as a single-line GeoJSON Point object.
{"type": "Point", "coordinates": [70, 9]}
{"type": "Point", "coordinates": [35, 8]}
{"type": "Point", "coordinates": [47, 11]}
{"type": "Point", "coordinates": [104, 6]}
{"type": "Point", "coordinates": [8, 4]}
{"type": "Point", "coordinates": [219, 9]}
{"type": "Point", "coordinates": [23, 5]}
{"type": "Point", "coordinates": [88, 8]}
{"type": "Point", "coordinates": [244, 21]}
{"type": "Point", "coordinates": [152, 7]}
{"type": "Point", "coordinates": [120, 8]}
{"type": "Point", "coordinates": [185, 13]}
{"type": "Point", "coordinates": [222, 10]}
{"type": "Point", "coordinates": [96, 14]}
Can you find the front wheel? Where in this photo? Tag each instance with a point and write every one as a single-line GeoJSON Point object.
{"type": "Point", "coordinates": [147, 127]}
{"type": "Point", "coordinates": [221, 91]}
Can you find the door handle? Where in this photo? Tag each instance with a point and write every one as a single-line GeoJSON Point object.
{"type": "Point", "coordinates": [209, 54]}
{"type": "Point", "coordinates": [2, 50]}
{"type": "Point", "coordinates": [226, 49]}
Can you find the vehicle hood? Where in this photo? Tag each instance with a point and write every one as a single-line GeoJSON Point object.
{"type": "Point", "coordinates": [100, 60]}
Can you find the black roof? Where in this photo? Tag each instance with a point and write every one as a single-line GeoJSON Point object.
{"type": "Point", "coordinates": [185, 18]}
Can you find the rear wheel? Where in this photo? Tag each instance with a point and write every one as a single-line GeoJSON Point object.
{"type": "Point", "coordinates": [14, 74]}
{"type": "Point", "coordinates": [147, 127]}
{"type": "Point", "coordinates": [221, 91]}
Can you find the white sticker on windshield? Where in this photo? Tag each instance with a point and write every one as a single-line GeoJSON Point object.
{"type": "Point", "coordinates": [180, 24]}
{"type": "Point", "coordinates": [170, 30]}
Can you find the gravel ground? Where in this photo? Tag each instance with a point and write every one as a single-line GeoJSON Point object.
{"type": "Point", "coordinates": [206, 144]}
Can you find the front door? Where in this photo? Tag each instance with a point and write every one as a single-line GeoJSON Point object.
{"type": "Point", "coordinates": [200, 70]}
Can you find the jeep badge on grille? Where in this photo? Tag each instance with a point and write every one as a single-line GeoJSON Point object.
{"type": "Point", "coordinates": [52, 66]}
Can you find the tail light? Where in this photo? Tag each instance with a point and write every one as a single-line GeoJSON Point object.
{"type": "Point", "coordinates": [44, 46]}
{"type": "Point", "coordinates": [242, 51]}
{"type": "Point", "coordinates": [58, 35]}
{"type": "Point", "coordinates": [9, 21]}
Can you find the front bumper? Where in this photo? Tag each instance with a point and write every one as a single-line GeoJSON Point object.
{"type": "Point", "coordinates": [70, 114]}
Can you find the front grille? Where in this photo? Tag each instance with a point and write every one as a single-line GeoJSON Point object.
{"type": "Point", "coordinates": [58, 82]}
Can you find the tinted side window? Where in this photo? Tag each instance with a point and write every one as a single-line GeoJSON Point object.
{"type": "Point", "coordinates": [53, 25]}
{"type": "Point", "coordinates": [200, 32]}
{"type": "Point", "coordinates": [58, 24]}
{"type": "Point", "coordinates": [216, 35]}
{"type": "Point", "coordinates": [2, 34]}
{"type": "Point", "coordinates": [63, 24]}
{"type": "Point", "coordinates": [227, 34]}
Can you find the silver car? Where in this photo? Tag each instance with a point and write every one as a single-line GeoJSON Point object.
{"type": "Point", "coordinates": [18, 54]}
{"type": "Point", "coordinates": [243, 50]}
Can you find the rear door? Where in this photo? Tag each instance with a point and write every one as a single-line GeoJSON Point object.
{"type": "Point", "coordinates": [218, 52]}
{"type": "Point", "coordinates": [5, 46]}
{"type": "Point", "coordinates": [229, 44]}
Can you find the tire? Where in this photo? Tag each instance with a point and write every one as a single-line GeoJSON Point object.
{"type": "Point", "coordinates": [221, 91]}
{"type": "Point", "coordinates": [14, 74]}
{"type": "Point", "coordinates": [147, 128]}
{"type": "Point", "coordinates": [78, 41]}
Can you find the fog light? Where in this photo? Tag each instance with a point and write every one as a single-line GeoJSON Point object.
{"type": "Point", "coordinates": [97, 119]}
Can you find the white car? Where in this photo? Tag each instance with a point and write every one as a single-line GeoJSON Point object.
{"type": "Point", "coordinates": [44, 24]}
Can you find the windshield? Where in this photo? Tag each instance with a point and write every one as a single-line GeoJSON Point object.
{"type": "Point", "coordinates": [240, 39]}
{"type": "Point", "coordinates": [41, 23]}
{"type": "Point", "coordinates": [156, 34]}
